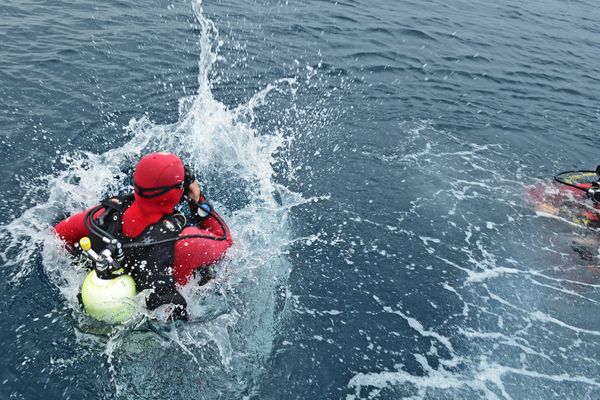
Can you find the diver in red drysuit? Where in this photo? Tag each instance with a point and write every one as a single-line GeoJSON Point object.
{"type": "Point", "coordinates": [570, 202]}
{"type": "Point", "coordinates": [160, 180]}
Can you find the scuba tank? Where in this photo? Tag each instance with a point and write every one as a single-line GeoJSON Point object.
{"type": "Point", "coordinates": [107, 293]}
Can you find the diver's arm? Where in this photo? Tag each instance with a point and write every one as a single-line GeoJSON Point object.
{"type": "Point", "coordinates": [204, 215]}
{"type": "Point", "coordinates": [196, 198]}
{"type": "Point", "coordinates": [195, 253]}
{"type": "Point", "coordinates": [215, 225]}
{"type": "Point", "coordinates": [73, 228]}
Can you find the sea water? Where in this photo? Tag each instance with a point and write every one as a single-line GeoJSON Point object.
{"type": "Point", "coordinates": [372, 160]}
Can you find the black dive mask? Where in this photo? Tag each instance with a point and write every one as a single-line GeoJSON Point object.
{"type": "Point", "coordinates": [149, 193]}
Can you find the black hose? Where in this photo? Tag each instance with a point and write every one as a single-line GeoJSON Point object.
{"type": "Point", "coordinates": [559, 178]}
{"type": "Point", "coordinates": [198, 236]}
{"type": "Point", "coordinates": [91, 226]}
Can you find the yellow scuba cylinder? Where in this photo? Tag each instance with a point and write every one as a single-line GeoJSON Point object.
{"type": "Point", "coordinates": [108, 300]}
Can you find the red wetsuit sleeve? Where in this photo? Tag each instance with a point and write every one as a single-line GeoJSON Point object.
{"type": "Point", "coordinates": [192, 254]}
{"type": "Point", "coordinates": [73, 228]}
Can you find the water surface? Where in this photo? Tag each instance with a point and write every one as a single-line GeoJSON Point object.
{"type": "Point", "coordinates": [372, 159]}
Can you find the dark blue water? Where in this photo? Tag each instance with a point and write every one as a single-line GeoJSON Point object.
{"type": "Point", "coordinates": [372, 159]}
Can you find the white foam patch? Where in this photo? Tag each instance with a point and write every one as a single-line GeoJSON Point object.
{"type": "Point", "coordinates": [417, 326]}
{"type": "Point", "coordinates": [490, 376]}
{"type": "Point", "coordinates": [543, 317]}
{"type": "Point", "coordinates": [491, 273]}
{"type": "Point", "coordinates": [497, 337]}
{"type": "Point", "coordinates": [420, 385]}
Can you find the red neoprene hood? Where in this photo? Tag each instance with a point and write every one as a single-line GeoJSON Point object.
{"type": "Point", "coordinates": [159, 170]}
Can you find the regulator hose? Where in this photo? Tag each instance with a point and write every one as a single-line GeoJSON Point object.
{"type": "Point", "coordinates": [561, 177]}
{"type": "Point", "coordinates": [93, 227]}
